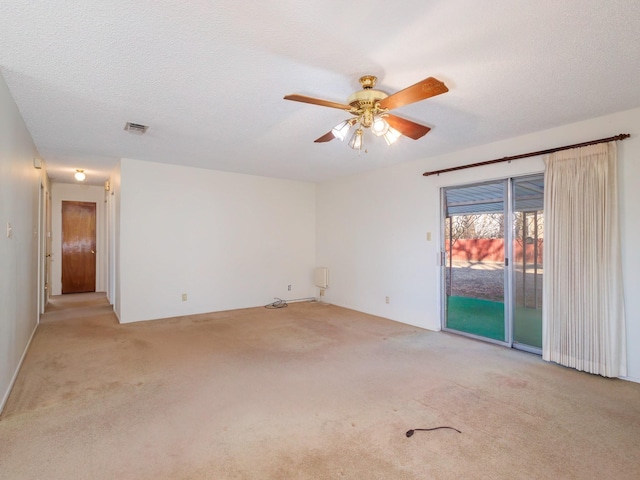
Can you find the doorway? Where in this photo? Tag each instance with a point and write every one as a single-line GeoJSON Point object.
{"type": "Point", "coordinates": [45, 247]}
{"type": "Point", "coordinates": [48, 247]}
{"type": "Point", "coordinates": [492, 268]}
{"type": "Point", "coordinates": [78, 247]}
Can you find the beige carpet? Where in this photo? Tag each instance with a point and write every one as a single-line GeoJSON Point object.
{"type": "Point", "coordinates": [305, 392]}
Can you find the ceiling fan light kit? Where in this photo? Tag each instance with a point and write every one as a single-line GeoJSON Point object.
{"type": "Point", "coordinates": [356, 140]}
{"type": "Point", "coordinates": [379, 126]}
{"type": "Point", "coordinates": [370, 109]}
{"type": "Point", "coordinates": [341, 130]}
{"type": "Point", "coordinates": [391, 135]}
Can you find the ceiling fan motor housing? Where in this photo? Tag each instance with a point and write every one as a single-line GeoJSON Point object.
{"type": "Point", "coordinates": [366, 98]}
{"type": "Point", "coordinates": [364, 101]}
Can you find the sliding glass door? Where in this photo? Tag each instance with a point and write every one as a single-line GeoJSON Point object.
{"type": "Point", "coordinates": [492, 251]}
{"type": "Point", "coordinates": [528, 238]}
{"type": "Point", "coordinates": [475, 260]}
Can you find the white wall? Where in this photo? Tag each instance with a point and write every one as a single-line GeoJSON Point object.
{"type": "Point", "coordinates": [371, 229]}
{"type": "Point", "coordinates": [226, 240]}
{"type": "Point", "coordinates": [77, 193]}
{"type": "Point", "coordinates": [19, 192]}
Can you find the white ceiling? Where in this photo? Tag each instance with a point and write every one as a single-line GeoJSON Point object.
{"type": "Point", "coordinates": [208, 77]}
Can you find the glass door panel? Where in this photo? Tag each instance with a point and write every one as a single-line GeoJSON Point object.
{"type": "Point", "coordinates": [474, 275]}
{"type": "Point", "coordinates": [528, 239]}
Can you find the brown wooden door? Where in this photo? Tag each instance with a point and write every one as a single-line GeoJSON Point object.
{"type": "Point", "coordinates": [78, 247]}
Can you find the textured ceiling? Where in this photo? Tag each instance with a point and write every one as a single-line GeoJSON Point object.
{"type": "Point", "coordinates": [208, 77]}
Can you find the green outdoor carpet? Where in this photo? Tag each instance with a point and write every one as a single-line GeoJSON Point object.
{"type": "Point", "coordinates": [486, 318]}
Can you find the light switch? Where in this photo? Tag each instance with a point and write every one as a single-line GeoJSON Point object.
{"type": "Point", "coordinates": [428, 236]}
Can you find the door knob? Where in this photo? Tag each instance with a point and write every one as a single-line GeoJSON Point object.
{"type": "Point", "coordinates": [92, 251]}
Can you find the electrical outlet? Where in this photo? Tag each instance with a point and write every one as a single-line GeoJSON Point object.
{"type": "Point", "coordinates": [322, 292]}
{"type": "Point", "coordinates": [184, 297]}
{"type": "Point", "coordinates": [386, 299]}
{"type": "Point", "coordinates": [9, 230]}
{"type": "Point", "coordinates": [289, 287]}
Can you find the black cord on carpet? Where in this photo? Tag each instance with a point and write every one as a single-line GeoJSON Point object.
{"type": "Point", "coordinates": [411, 432]}
{"type": "Point", "coordinates": [280, 303]}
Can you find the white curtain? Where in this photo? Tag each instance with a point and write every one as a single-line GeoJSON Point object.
{"type": "Point", "coordinates": [583, 322]}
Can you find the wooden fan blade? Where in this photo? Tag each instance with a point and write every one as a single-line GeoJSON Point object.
{"type": "Point", "coordinates": [407, 127]}
{"type": "Point", "coordinates": [317, 101]}
{"type": "Point", "coordinates": [327, 137]}
{"type": "Point", "coordinates": [429, 87]}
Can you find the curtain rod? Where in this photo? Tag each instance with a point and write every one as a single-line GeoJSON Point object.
{"type": "Point", "coordinates": [622, 136]}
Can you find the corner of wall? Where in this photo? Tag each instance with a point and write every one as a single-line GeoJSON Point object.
{"type": "Point", "coordinates": [20, 185]}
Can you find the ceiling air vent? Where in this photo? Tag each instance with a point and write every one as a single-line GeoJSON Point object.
{"type": "Point", "coordinates": [136, 128]}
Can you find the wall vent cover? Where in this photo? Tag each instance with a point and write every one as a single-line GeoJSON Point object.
{"type": "Point", "coordinates": [136, 128]}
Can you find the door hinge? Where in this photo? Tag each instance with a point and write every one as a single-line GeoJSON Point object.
{"type": "Point", "coordinates": [506, 262]}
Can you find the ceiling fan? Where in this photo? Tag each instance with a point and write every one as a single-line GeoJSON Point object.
{"type": "Point", "coordinates": [370, 109]}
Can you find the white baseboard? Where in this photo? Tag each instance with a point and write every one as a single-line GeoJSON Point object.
{"type": "Point", "coordinates": [630, 379]}
{"type": "Point", "coordinates": [15, 374]}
